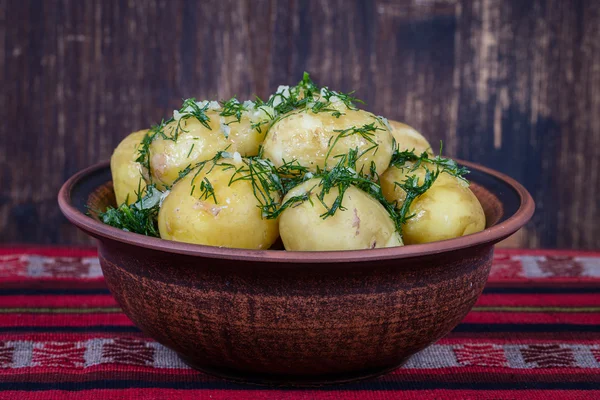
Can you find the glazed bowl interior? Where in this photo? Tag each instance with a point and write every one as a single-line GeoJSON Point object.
{"type": "Point", "coordinates": [507, 206]}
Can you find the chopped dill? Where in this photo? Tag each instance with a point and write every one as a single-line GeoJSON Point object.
{"type": "Point", "coordinates": [264, 179]}
{"type": "Point", "coordinates": [413, 190]}
{"type": "Point", "coordinates": [144, 147]}
{"type": "Point", "coordinates": [192, 108]}
{"type": "Point", "coordinates": [207, 190]}
{"type": "Point", "coordinates": [447, 165]}
{"type": "Point", "coordinates": [232, 108]}
{"type": "Point", "coordinates": [308, 96]}
{"type": "Point", "coordinates": [199, 166]}
{"type": "Point", "coordinates": [433, 167]}
{"type": "Point", "coordinates": [139, 217]}
{"type": "Point", "coordinates": [367, 132]}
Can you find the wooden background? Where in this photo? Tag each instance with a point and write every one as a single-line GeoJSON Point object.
{"type": "Point", "coordinates": [511, 84]}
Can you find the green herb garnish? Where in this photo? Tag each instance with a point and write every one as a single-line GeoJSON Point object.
{"type": "Point", "coordinates": [232, 108]}
{"type": "Point", "coordinates": [308, 96]}
{"type": "Point", "coordinates": [139, 217]}
{"type": "Point", "coordinates": [367, 132]}
{"type": "Point", "coordinates": [447, 165]}
{"type": "Point", "coordinates": [207, 190]}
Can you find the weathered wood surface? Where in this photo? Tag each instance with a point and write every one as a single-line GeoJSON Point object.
{"type": "Point", "coordinates": [511, 84]}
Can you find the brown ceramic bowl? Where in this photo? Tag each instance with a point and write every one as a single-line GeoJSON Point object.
{"type": "Point", "coordinates": [273, 316]}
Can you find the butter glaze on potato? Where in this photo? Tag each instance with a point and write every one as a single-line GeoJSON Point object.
{"type": "Point", "coordinates": [363, 224]}
{"type": "Point", "coordinates": [197, 143]}
{"type": "Point", "coordinates": [305, 136]}
{"type": "Point", "coordinates": [449, 209]}
{"type": "Point", "coordinates": [234, 220]}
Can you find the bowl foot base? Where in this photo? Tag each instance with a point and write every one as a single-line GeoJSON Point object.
{"type": "Point", "coordinates": [290, 380]}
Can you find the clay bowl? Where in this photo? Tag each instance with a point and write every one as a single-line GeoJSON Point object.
{"type": "Point", "coordinates": [290, 317]}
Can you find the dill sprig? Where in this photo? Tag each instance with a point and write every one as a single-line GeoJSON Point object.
{"type": "Point", "coordinates": [292, 173]}
{"type": "Point", "coordinates": [308, 96]}
{"type": "Point", "coordinates": [264, 179]}
{"type": "Point", "coordinates": [367, 132]}
{"type": "Point", "coordinates": [329, 97]}
{"type": "Point", "coordinates": [271, 115]}
{"type": "Point", "coordinates": [341, 177]}
{"type": "Point", "coordinates": [232, 108]}
{"type": "Point", "coordinates": [262, 174]}
{"type": "Point", "coordinates": [206, 190]}
{"type": "Point", "coordinates": [192, 108]}
{"type": "Point", "coordinates": [199, 166]}
{"type": "Point", "coordinates": [144, 147]}
{"type": "Point", "coordinates": [413, 189]}
{"type": "Point", "coordinates": [402, 159]}
{"type": "Point", "coordinates": [433, 167]}
{"type": "Point", "coordinates": [139, 217]}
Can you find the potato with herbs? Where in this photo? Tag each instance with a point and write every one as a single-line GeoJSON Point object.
{"type": "Point", "coordinates": [362, 224]}
{"type": "Point", "coordinates": [201, 129]}
{"type": "Point", "coordinates": [408, 138]}
{"type": "Point", "coordinates": [314, 139]}
{"type": "Point", "coordinates": [245, 125]}
{"type": "Point", "coordinates": [217, 205]}
{"type": "Point", "coordinates": [448, 209]}
{"type": "Point", "coordinates": [127, 173]}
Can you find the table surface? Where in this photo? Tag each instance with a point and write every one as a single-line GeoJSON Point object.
{"type": "Point", "coordinates": [534, 334]}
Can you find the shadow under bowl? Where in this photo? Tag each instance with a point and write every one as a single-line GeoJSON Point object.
{"type": "Point", "coordinates": [296, 318]}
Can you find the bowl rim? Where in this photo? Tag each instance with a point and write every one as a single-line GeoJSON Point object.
{"type": "Point", "coordinates": [489, 235]}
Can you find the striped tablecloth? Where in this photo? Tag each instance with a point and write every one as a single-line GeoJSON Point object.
{"type": "Point", "coordinates": [533, 334]}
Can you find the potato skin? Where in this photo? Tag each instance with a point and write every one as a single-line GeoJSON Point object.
{"type": "Point", "coordinates": [305, 136]}
{"type": "Point", "coordinates": [364, 224]}
{"type": "Point", "coordinates": [449, 209]}
{"type": "Point", "coordinates": [408, 138]}
{"type": "Point", "coordinates": [126, 172]}
{"type": "Point", "coordinates": [244, 138]}
{"type": "Point", "coordinates": [194, 143]}
{"type": "Point", "coordinates": [233, 221]}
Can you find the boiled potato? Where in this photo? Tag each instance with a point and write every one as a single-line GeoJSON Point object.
{"type": "Point", "coordinates": [247, 134]}
{"type": "Point", "coordinates": [306, 136]}
{"type": "Point", "coordinates": [127, 174]}
{"type": "Point", "coordinates": [363, 224]}
{"type": "Point", "coordinates": [195, 142]}
{"type": "Point", "coordinates": [447, 210]}
{"type": "Point", "coordinates": [407, 138]}
{"type": "Point", "coordinates": [189, 214]}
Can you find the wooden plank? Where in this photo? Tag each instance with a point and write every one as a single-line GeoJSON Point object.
{"type": "Point", "coordinates": [527, 86]}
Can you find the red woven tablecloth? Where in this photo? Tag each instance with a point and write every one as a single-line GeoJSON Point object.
{"type": "Point", "coordinates": [533, 334]}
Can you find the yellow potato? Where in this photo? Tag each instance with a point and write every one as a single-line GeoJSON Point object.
{"type": "Point", "coordinates": [189, 214]}
{"type": "Point", "coordinates": [244, 138]}
{"type": "Point", "coordinates": [127, 174]}
{"type": "Point", "coordinates": [306, 137]}
{"type": "Point", "coordinates": [195, 142]}
{"type": "Point", "coordinates": [364, 224]}
{"type": "Point", "coordinates": [449, 209]}
{"type": "Point", "coordinates": [407, 138]}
